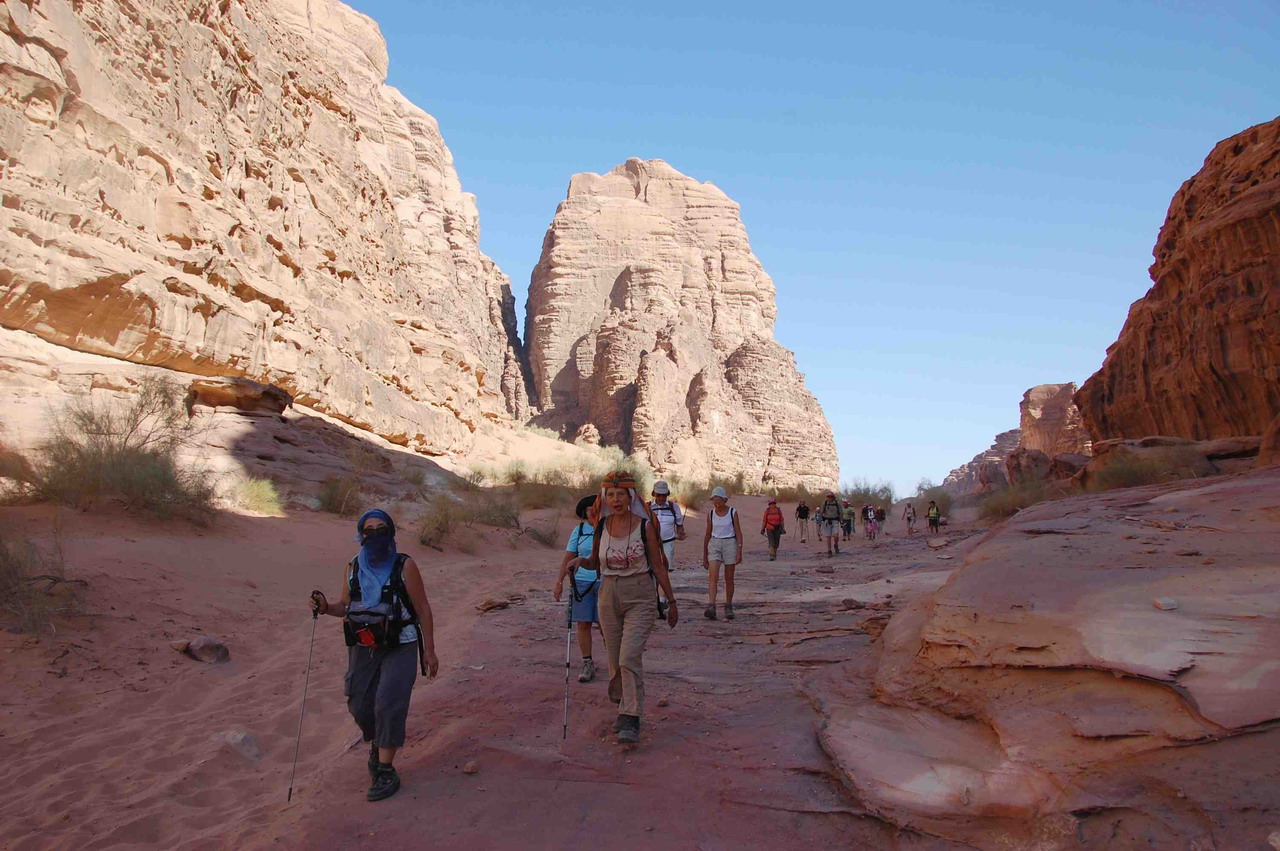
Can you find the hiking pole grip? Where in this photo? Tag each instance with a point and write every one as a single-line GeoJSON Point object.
{"type": "Point", "coordinates": [319, 595]}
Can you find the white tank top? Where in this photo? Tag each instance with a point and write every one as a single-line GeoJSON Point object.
{"type": "Point", "coordinates": [722, 527]}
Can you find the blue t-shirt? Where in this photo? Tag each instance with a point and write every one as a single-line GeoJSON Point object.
{"type": "Point", "coordinates": [581, 539]}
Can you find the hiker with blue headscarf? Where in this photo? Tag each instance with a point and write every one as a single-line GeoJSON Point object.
{"type": "Point", "coordinates": [386, 619]}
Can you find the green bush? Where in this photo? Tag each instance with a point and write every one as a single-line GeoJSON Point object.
{"type": "Point", "coordinates": [864, 491]}
{"type": "Point", "coordinates": [451, 519]}
{"type": "Point", "coordinates": [1130, 470]}
{"type": "Point", "coordinates": [926, 492]}
{"type": "Point", "coordinates": [340, 495]}
{"type": "Point", "coordinates": [126, 452]}
{"type": "Point", "coordinates": [545, 532]}
{"type": "Point", "coordinates": [259, 496]}
{"type": "Point", "coordinates": [1011, 500]}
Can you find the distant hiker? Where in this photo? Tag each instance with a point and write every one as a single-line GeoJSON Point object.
{"type": "Point", "coordinates": [934, 516]}
{"type": "Point", "coordinates": [802, 520]}
{"type": "Point", "coordinates": [870, 524]}
{"type": "Point", "coordinates": [585, 583]}
{"type": "Point", "coordinates": [772, 527]}
{"type": "Point", "coordinates": [909, 515]}
{"type": "Point", "coordinates": [387, 621]}
{"type": "Point", "coordinates": [722, 545]}
{"type": "Point", "coordinates": [829, 522]}
{"type": "Point", "coordinates": [846, 519]}
{"type": "Point", "coordinates": [670, 519]}
{"type": "Point", "coordinates": [625, 549]}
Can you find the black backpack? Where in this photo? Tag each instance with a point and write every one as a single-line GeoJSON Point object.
{"type": "Point", "coordinates": [379, 629]}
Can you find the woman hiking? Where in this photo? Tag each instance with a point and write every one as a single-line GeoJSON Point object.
{"type": "Point", "coordinates": [773, 528]}
{"type": "Point", "coordinates": [625, 550]}
{"type": "Point", "coordinates": [722, 545]}
{"type": "Point", "coordinates": [583, 603]}
{"type": "Point", "coordinates": [829, 517]}
{"type": "Point", "coordinates": [387, 621]}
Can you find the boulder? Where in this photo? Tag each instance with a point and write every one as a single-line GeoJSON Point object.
{"type": "Point", "coordinates": [203, 648]}
{"type": "Point", "coordinates": [651, 320]}
{"type": "Point", "coordinates": [1199, 355]}
{"type": "Point", "coordinates": [1027, 465]}
{"type": "Point", "coordinates": [243, 394]}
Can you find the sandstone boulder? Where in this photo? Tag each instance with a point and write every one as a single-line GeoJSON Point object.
{"type": "Point", "coordinates": [1070, 688]}
{"type": "Point", "coordinates": [231, 189]}
{"type": "Point", "coordinates": [1027, 465]}
{"type": "Point", "coordinates": [650, 318]}
{"type": "Point", "coordinates": [1199, 355]}
{"type": "Point", "coordinates": [242, 394]}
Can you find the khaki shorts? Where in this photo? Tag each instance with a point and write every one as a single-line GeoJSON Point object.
{"type": "Point", "coordinates": [723, 550]}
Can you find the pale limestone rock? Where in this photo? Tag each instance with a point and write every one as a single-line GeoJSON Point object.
{"type": "Point", "coordinates": [231, 189]}
{"type": "Point", "coordinates": [650, 318]}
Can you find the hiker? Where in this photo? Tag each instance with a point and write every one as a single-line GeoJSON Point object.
{"type": "Point", "coordinates": [802, 520]}
{"type": "Point", "coordinates": [934, 515]}
{"type": "Point", "coordinates": [583, 608]}
{"type": "Point", "coordinates": [909, 515]}
{"type": "Point", "coordinates": [869, 521]}
{"type": "Point", "coordinates": [722, 545]}
{"type": "Point", "coordinates": [772, 526]}
{"type": "Point", "coordinates": [670, 519]}
{"type": "Point", "coordinates": [846, 520]}
{"type": "Point", "coordinates": [625, 550]}
{"type": "Point", "coordinates": [829, 522]}
{"type": "Point", "coordinates": [387, 622]}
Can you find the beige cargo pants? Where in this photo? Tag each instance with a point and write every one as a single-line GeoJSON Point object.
{"type": "Point", "coordinates": [628, 610]}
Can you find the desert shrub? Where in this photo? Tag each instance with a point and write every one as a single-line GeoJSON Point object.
{"type": "Point", "coordinates": [546, 532]}
{"type": "Point", "coordinates": [1152, 466]}
{"type": "Point", "coordinates": [515, 473]}
{"type": "Point", "coordinates": [449, 518]}
{"type": "Point", "coordinates": [539, 495]}
{"type": "Point", "coordinates": [33, 585]}
{"type": "Point", "coordinates": [259, 496]}
{"type": "Point", "coordinates": [1011, 500]}
{"type": "Point", "coordinates": [543, 432]}
{"type": "Point", "coordinates": [685, 491]}
{"type": "Point", "coordinates": [926, 492]}
{"type": "Point", "coordinates": [415, 476]}
{"type": "Point", "coordinates": [339, 495]}
{"type": "Point", "coordinates": [439, 521]}
{"type": "Point", "coordinates": [124, 451]}
{"type": "Point", "coordinates": [489, 508]}
{"type": "Point", "coordinates": [860, 491]}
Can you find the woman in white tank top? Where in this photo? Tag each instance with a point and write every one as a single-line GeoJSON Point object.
{"type": "Point", "coordinates": [722, 546]}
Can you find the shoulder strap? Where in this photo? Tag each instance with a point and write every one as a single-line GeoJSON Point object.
{"type": "Point", "coordinates": [353, 582]}
{"type": "Point", "coordinates": [402, 594]}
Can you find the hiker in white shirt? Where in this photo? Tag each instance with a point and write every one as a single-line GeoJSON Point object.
{"type": "Point", "coordinates": [670, 520]}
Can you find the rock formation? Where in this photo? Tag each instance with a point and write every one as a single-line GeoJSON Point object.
{"type": "Point", "coordinates": [1199, 356]}
{"type": "Point", "coordinates": [986, 472]}
{"type": "Point", "coordinates": [230, 189]}
{"type": "Point", "coordinates": [650, 318]}
{"type": "Point", "coordinates": [1051, 421]}
{"type": "Point", "coordinates": [1099, 674]}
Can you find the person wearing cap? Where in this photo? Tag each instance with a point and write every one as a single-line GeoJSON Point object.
{"type": "Point", "coordinates": [829, 522]}
{"type": "Point", "coordinates": [625, 550]}
{"type": "Point", "coordinates": [772, 527]}
{"type": "Point", "coordinates": [722, 546]}
{"type": "Point", "coordinates": [670, 519]}
{"type": "Point", "coordinates": [583, 607]}
{"type": "Point", "coordinates": [846, 520]}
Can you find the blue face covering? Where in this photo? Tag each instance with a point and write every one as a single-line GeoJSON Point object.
{"type": "Point", "coordinates": [377, 556]}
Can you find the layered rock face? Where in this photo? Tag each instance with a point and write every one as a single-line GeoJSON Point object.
{"type": "Point", "coordinates": [1051, 421]}
{"type": "Point", "coordinates": [986, 472]}
{"type": "Point", "coordinates": [230, 189]}
{"type": "Point", "coordinates": [650, 319]}
{"type": "Point", "coordinates": [1199, 356]}
{"type": "Point", "coordinates": [1099, 674]}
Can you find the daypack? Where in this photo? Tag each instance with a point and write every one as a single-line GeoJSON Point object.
{"type": "Point", "coordinates": [671, 508]}
{"type": "Point", "coordinates": [382, 629]}
{"type": "Point", "coordinates": [827, 508]}
{"type": "Point", "coordinates": [773, 517]}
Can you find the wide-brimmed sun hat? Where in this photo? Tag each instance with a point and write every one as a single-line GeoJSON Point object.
{"type": "Point", "coordinates": [661, 488]}
{"type": "Point", "coordinates": [719, 492]}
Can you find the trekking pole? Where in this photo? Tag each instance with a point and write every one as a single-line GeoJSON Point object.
{"type": "Point", "coordinates": [315, 615]}
{"type": "Point", "coordinates": [568, 636]}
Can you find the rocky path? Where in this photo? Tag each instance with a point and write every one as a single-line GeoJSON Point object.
{"type": "Point", "coordinates": [730, 755]}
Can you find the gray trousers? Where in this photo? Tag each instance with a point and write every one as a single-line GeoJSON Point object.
{"type": "Point", "coordinates": [378, 686]}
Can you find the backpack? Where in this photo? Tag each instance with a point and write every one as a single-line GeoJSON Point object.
{"type": "Point", "coordinates": [773, 517]}
{"type": "Point", "coordinates": [381, 629]}
{"type": "Point", "coordinates": [670, 508]}
{"type": "Point", "coordinates": [834, 506]}
{"type": "Point", "coordinates": [880, 515]}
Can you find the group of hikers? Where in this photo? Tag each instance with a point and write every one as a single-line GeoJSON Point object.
{"type": "Point", "coordinates": [617, 564]}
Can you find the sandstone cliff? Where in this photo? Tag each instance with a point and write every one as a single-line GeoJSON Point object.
{"type": "Point", "coordinates": [986, 471]}
{"type": "Point", "coordinates": [650, 319]}
{"type": "Point", "coordinates": [1051, 421]}
{"type": "Point", "coordinates": [1199, 356]}
{"type": "Point", "coordinates": [231, 189]}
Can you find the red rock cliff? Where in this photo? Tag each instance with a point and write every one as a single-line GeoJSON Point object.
{"type": "Point", "coordinates": [1199, 355]}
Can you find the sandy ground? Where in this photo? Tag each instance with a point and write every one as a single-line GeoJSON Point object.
{"type": "Point", "coordinates": [112, 739]}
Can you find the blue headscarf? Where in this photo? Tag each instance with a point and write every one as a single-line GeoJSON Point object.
{"type": "Point", "coordinates": [376, 558]}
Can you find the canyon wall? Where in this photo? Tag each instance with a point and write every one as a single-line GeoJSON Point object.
{"type": "Point", "coordinates": [986, 471]}
{"type": "Point", "coordinates": [230, 188]}
{"type": "Point", "coordinates": [1051, 422]}
{"type": "Point", "coordinates": [651, 321]}
{"type": "Point", "coordinates": [1199, 355]}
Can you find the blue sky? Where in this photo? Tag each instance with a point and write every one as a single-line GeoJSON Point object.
{"type": "Point", "coordinates": [956, 200]}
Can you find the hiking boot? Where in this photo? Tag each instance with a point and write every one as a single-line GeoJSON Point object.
{"type": "Point", "coordinates": [588, 671]}
{"type": "Point", "coordinates": [385, 783]}
{"type": "Point", "coordinates": [709, 612]}
{"type": "Point", "coordinates": [728, 611]}
{"type": "Point", "coordinates": [629, 729]}
{"type": "Point", "coordinates": [373, 762]}
{"type": "Point", "coordinates": [619, 723]}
